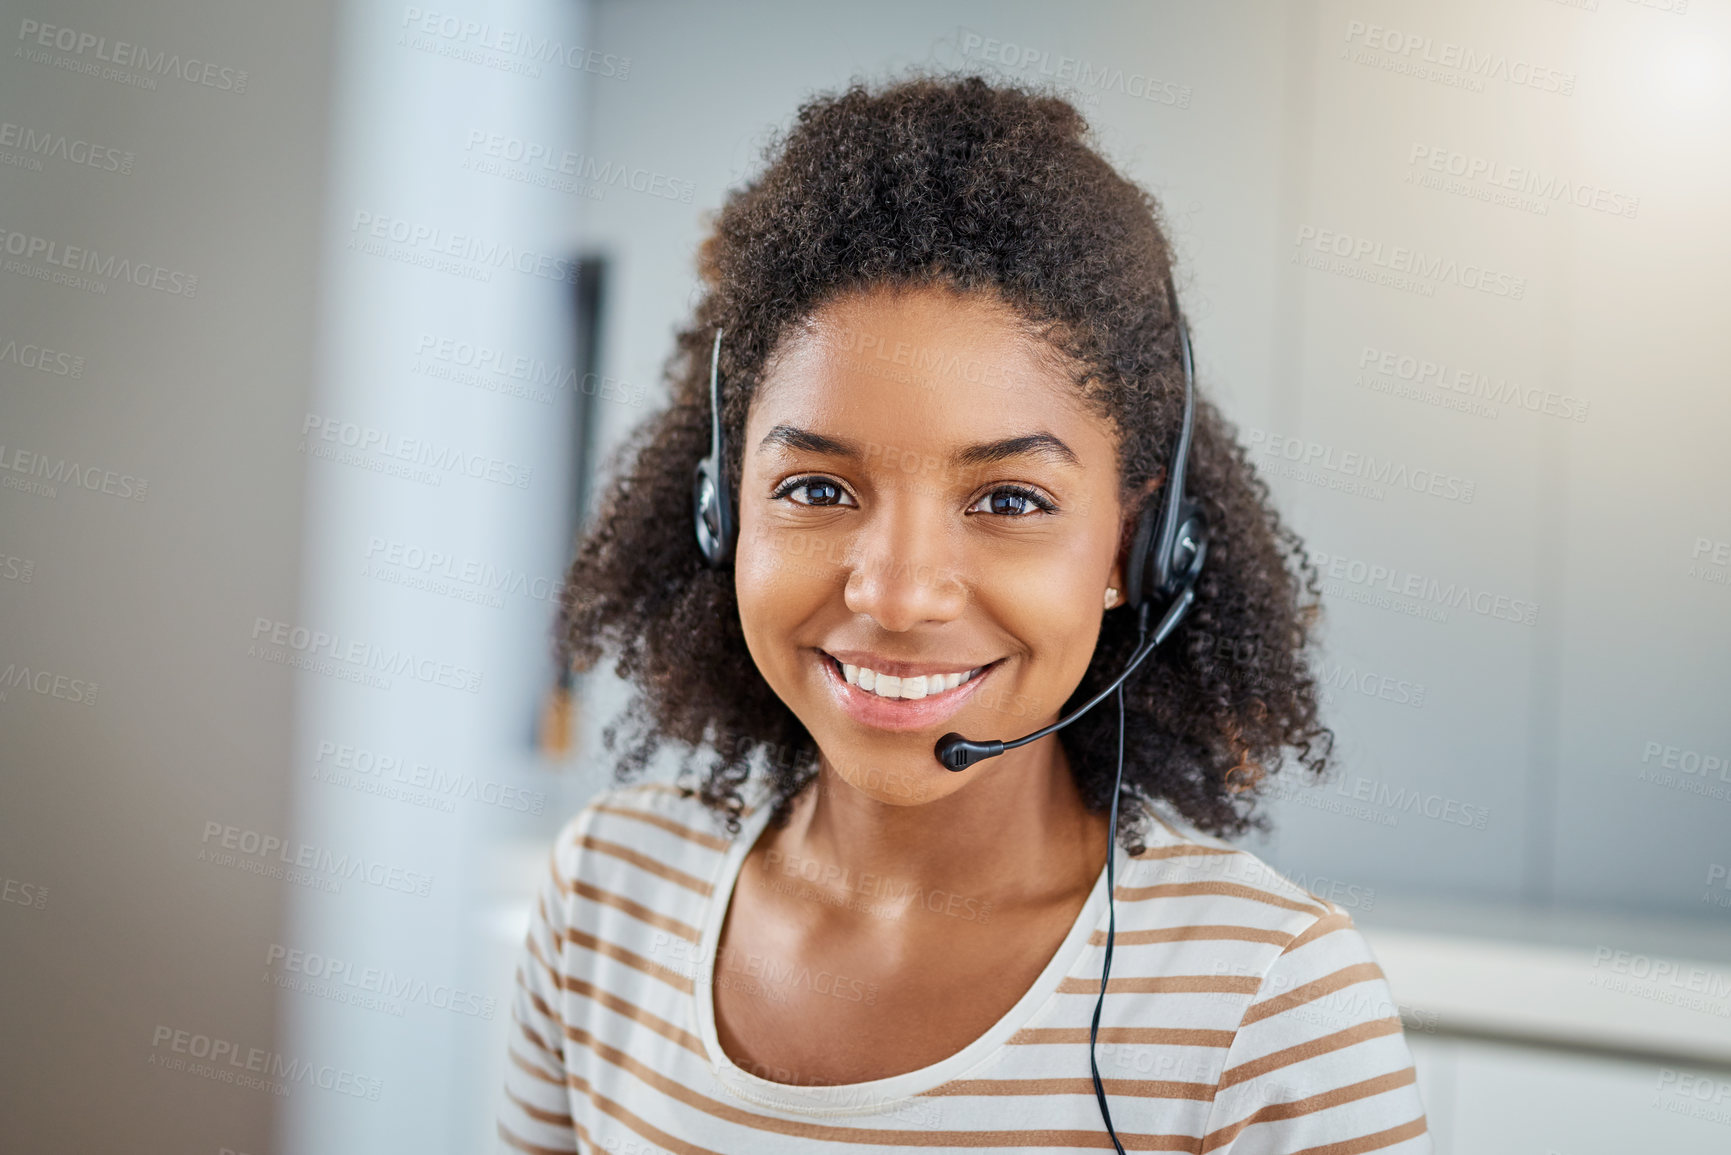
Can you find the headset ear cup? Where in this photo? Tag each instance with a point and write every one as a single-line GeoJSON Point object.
{"type": "Point", "coordinates": [711, 502]}
{"type": "Point", "coordinates": [1190, 543]}
{"type": "Point", "coordinates": [702, 496]}
{"type": "Point", "coordinates": [1138, 565]}
{"type": "Point", "coordinates": [708, 518]}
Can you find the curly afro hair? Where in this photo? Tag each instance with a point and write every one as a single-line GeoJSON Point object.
{"type": "Point", "coordinates": [992, 189]}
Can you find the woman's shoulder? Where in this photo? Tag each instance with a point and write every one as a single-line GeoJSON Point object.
{"type": "Point", "coordinates": [1183, 873]}
{"type": "Point", "coordinates": [1296, 970]}
{"type": "Point", "coordinates": [649, 825]}
{"type": "Point", "coordinates": [1306, 1013]}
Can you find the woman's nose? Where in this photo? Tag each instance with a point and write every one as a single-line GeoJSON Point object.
{"type": "Point", "coordinates": [905, 567]}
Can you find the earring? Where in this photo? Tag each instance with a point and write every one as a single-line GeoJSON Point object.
{"type": "Point", "coordinates": [1111, 596]}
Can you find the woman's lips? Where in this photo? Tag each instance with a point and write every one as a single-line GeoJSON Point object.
{"type": "Point", "coordinates": [900, 714]}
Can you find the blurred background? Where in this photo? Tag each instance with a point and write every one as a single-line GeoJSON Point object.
{"type": "Point", "coordinates": [318, 323]}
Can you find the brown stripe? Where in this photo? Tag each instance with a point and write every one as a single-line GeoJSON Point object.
{"type": "Point", "coordinates": [644, 862]}
{"type": "Point", "coordinates": [1171, 829]}
{"type": "Point", "coordinates": [1309, 1050]}
{"type": "Point", "coordinates": [679, 982]}
{"type": "Point", "coordinates": [1375, 1142]}
{"type": "Point", "coordinates": [1310, 992]}
{"type": "Point", "coordinates": [675, 791]}
{"type": "Point", "coordinates": [1168, 985]}
{"type": "Point", "coordinates": [542, 1045]}
{"type": "Point", "coordinates": [635, 909]}
{"type": "Point", "coordinates": [1200, 933]}
{"type": "Point", "coordinates": [644, 1128]}
{"type": "Point", "coordinates": [544, 1076]}
{"type": "Point", "coordinates": [551, 1118]}
{"type": "Point", "coordinates": [1166, 1036]}
{"type": "Point", "coordinates": [524, 1145]}
{"type": "Point", "coordinates": [710, 841]}
{"type": "Point", "coordinates": [613, 1003]}
{"type": "Point", "coordinates": [650, 788]}
{"type": "Point", "coordinates": [1317, 929]}
{"type": "Point", "coordinates": [533, 950]}
{"type": "Point", "coordinates": [630, 1011]}
{"type": "Point", "coordinates": [1322, 1102]}
{"type": "Point", "coordinates": [1144, 1088]}
{"type": "Point", "coordinates": [873, 1136]}
{"type": "Point", "coordinates": [1182, 851]}
{"type": "Point", "coordinates": [1232, 889]}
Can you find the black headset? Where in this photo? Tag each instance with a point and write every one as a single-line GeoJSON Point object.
{"type": "Point", "coordinates": [711, 496]}
{"type": "Point", "coordinates": [1165, 560]}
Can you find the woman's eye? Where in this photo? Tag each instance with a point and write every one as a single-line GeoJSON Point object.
{"type": "Point", "coordinates": [815, 491]}
{"type": "Point", "coordinates": [1012, 501]}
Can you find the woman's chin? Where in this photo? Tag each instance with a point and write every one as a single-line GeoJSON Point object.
{"type": "Point", "coordinates": [901, 778]}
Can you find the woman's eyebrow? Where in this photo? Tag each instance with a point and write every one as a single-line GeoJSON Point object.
{"type": "Point", "coordinates": [796, 438]}
{"type": "Point", "coordinates": [985, 453]}
{"type": "Point", "coordinates": [1039, 444]}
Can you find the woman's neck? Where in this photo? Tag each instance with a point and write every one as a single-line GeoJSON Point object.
{"type": "Point", "coordinates": [1019, 835]}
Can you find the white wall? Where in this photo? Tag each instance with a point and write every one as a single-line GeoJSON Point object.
{"type": "Point", "coordinates": [255, 850]}
{"type": "Point", "coordinates": [430, 249]}
{"type": "Point", "coordinates": [143, 605]}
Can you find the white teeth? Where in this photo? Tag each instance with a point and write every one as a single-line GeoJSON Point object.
{"type": "Point", "coordinates": [910, 689]}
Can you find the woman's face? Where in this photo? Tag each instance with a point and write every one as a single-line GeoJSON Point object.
{"type": "Point", "coordinates": [929, 520]}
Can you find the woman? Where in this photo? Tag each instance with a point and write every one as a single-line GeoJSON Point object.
{"type": "Point", "coordinates": [951, 381]}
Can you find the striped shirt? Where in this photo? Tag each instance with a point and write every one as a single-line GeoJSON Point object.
{"type": "Point", "coordinates": [1244, 1015]}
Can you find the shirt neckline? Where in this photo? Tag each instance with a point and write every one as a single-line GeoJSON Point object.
{"type": "Point", "coordinates": [872, 1095]}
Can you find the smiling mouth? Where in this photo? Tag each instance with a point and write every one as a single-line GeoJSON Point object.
{"type": "Point", "coordinates": [908, 689]}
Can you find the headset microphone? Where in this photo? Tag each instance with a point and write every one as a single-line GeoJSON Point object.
{"type": "Point", "coordinates": [958, 753]}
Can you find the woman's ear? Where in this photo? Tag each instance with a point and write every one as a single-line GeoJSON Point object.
{"type": "Point", "coordinates": [1115, 584]}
